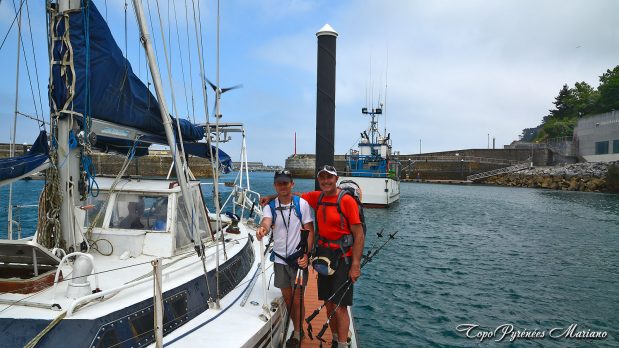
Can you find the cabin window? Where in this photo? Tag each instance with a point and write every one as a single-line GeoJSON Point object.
{"type": "Point", "coordinates": [140, 212]}
{"type": "Point", "coordinates": [184, 231]}
{"type": "Point", "coordinates": [91, 213]}
{"type": "Point", "coordinates": [615, 146]}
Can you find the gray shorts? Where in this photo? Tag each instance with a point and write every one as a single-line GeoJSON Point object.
{"type": "Point", "coordinates": [285, 276]}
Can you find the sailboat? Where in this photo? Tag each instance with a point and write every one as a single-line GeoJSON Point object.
{"type": "Point", "coordinates": [125, 261]}
{"type": "Point", "coordinates": [372, 165]}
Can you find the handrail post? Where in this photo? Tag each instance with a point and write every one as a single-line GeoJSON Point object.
{"type": "Point", "coordinates": [158, 303]}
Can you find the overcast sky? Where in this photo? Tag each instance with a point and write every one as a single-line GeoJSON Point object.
{"type": "Point", "coordinates": [449, 72]}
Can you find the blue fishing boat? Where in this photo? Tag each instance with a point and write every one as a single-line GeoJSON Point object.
{"type": "Point", "coordinates": [372, 165]}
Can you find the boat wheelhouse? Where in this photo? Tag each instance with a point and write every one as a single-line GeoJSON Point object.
{"type": "Point", "coordinates": [372, 165]}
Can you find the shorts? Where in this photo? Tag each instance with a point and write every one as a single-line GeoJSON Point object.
{"type": "Point", "coordinates": [285, 276]}
{"type": "Point", "coordinates": [327, 285]}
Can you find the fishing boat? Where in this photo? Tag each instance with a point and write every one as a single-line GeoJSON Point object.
{"type": "Point", "coordinates": [372, 166]}
{"type": "Point", "coordinates": [126, 261]}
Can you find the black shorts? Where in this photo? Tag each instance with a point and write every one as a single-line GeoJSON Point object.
{"type": "Point", "coordinates": [327, 285]}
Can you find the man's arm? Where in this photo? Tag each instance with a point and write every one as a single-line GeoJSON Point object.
{"type": "Point", "coordinates": [357, 252]}
{"type": "Point", "coordinates": [264, 200]}
{"type": "Point", "coordinates": [303, 260]}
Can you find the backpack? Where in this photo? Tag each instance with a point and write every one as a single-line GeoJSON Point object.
{"type": "Point", "coordinates": [351, 188]}
{"type": "Point", "coordinates": [347, 187]}
{"type": "Point", "coordinates": [292, 259]}
{"type": "Point", "coordinates": [296, 202]}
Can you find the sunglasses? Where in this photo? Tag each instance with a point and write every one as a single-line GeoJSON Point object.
{"type": "Point", "coordinates": [283, 172]}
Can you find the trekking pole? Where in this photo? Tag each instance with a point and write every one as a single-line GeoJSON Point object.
{"type": "Point", "coordinates": [289, 307]}
{"type": "Point", "coordinates": [366, 258]}
{"type": "Point", "coordinates": [304, 249]}
{"type": "Point", "coordinates": [298, 281]}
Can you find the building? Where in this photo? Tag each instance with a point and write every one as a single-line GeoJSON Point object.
{"type": "Point", "coordinates": [598, 137]}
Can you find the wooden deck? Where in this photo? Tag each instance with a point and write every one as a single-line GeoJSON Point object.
{"type": "Point", "coordinates": [311, 303]}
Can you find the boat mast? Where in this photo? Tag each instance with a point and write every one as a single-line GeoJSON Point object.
{"type": "Point", "coordinates": [12, 146]}
{"type": "Point", "coordinates": [69, 171]}
{"type": "Point", "coordinates": [165, 117]}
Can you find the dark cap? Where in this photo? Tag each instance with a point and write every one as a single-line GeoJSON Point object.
{"type": "Point", "coordinates": [327, 169]}
{"type": "Point", "coordinates": [283, 175]}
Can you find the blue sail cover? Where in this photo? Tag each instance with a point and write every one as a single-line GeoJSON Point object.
{"type": "Point", "coordinates": [105, 86]}
{"type": "Point", "coordinates": [14, 168]}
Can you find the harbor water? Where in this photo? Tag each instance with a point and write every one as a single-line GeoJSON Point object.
{"type": "Point", "coordinates": [472, 261]}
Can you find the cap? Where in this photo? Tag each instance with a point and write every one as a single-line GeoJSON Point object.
{"type": "Point", "coordinates": [282, 176]}
{"type": "Point", "coordinates": [328, 169]}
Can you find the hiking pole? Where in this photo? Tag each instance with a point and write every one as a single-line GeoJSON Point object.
{"type": "Point", "coordinates": [289, 307]}
{"type": "Point", "coordinates": [304, 248]}
{"type": "Point", "coordinates": [298, 281]}
{"type": "Point", "coordinates": [366, 258]}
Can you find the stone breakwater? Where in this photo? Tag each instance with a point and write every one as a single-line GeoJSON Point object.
{"type": "Point", "coordinates": [589, 177]}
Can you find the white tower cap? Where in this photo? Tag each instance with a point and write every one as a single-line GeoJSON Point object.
{"type": "Point", "coordinates": [326, 30]}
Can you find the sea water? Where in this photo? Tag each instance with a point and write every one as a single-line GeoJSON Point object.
{"type": "Point", "coordinates": [472, 265]}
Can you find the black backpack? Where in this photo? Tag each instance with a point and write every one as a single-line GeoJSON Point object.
{"type": "Point", "coordinates": [351, 188]}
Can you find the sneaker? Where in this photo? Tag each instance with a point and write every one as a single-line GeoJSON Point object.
{"type": "Point", "coordinates": [293, 343]}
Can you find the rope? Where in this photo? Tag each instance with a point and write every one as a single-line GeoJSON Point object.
{"type": "Point", "coordinates": [198, 32]}
{"type": "Point", "coordinates": [35, 340]}
{"type": "Point", "coordinates": [178, 41]}
{"type": "Point", "coordinates": [50, 201]}
{"type": "Point", "coordinates": [11, 26]}
{"type": "Point", "coordinates": [36, 68]}
{"type": "Point", "coordinates": [193, 111]}
{"type": "Point", "coordinates": [119, 176]}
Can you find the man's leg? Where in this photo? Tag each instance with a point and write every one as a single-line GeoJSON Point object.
{"type": "Point", "coordinates": [294, 310]}
{"type": "Point", "coordinates": [333, 323]}
{"type": "Point", "coordinates": [343, 323]}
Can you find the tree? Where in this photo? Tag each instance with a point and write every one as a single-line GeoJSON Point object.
{"type": "Point", "coordinates": [608, 90]}
{"type": "Point", "coordinates": [565, 105]}
{"type": "Point", "coordinates": [585, 98]}
{"type": "Point", "coordinates": [528, 134]}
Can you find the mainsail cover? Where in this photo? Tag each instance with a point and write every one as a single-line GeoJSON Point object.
{"type": "Point", "coordinates": [106, 87]}
{"type": "Point", "coordinates": [15, 168]}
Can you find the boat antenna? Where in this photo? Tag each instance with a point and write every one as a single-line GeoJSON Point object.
{"type": "Point", "coordinates": [385, 106]}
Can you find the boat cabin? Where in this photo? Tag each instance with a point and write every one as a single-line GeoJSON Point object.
{"type": "Point", "coordinates": [142, 216]}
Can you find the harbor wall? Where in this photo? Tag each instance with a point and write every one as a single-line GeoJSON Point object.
{"type": "Point", "coordinates": [445, 165]}
{"type": "Point", "coordinates": [148, 166]}
{"type": "Point", "coordinates": [302, 165]}
{"type": "Point", "coordinates": [154, 165]}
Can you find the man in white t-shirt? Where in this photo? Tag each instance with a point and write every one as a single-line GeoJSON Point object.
{"type": "Point", "coordinates": [292, 214]}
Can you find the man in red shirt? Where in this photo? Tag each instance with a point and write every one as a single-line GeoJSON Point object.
{"type": "Point", "coordinates": [330, 230]}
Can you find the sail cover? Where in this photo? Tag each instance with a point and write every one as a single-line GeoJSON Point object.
{"type": "Point", "coordinates": [105, 86]}
{"type": "Point", "coordinates": [35, 160]}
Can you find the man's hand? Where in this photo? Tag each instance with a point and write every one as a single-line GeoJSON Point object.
{"type": "Point", "coordinates": [261, 232]}
{"type": "Point", "coordinates": [355, 272]}
{"type": "Point", "coordinates": [302, 261]}
{"type": "Point", "coordinates": [264, 200]}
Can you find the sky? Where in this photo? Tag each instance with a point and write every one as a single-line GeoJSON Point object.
{"type": "Point", "coordinates": [451, 74]}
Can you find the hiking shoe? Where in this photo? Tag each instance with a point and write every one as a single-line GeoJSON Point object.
{"type": "Point", "coordinates": [293, 343]}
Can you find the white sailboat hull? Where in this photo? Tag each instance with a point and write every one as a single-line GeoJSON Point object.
{"type": "Point", "coordinates": [377, 192]}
